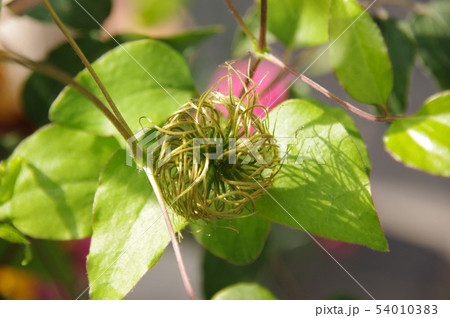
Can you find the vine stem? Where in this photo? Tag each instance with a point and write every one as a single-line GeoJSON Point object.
{"type": "Point", "coordinates": [175, 244]}
{"type": "Point", "coordinates": [263, 26]}
{"type": "Point", "coordinates": [89, 67]}
{"type": "Point", "coordinates": [262, 36]}
{"type": "Point", "coordinates": [386, 118]}
{"type": "Point", "coordinates": [241, 21]}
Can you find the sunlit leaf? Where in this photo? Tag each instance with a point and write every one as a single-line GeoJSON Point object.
{"type": "Point", "coordinates": [422, 141]}
{"type": "Point", "coordinates": [54, 191]}
{"type": "Point", "coordinates": [9, 172]}
{"type": "Point", "coordinates": [351, 128]}
{"type": "Point", "coordinates": [299, 23]}
{"type": "Point", "coordinates": [359, 54]}
{"type": "Point", "coordinates": [11, 234]}
{"type": "Point", "coordinates": [244, 291]}
{"type": "Point", "coordinates": [144, 78]}
{"type": "Point", "coordinates": [130, 234]}
{"type": "Point", "coordinates": [323, 186]}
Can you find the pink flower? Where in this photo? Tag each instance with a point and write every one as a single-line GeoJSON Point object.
{"type": "Point", "coordinates": [263, 78]}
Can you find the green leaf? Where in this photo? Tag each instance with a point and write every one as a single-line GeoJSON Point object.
{"type": "Point", "coordinates": [40, 91]}
{"type": "Point", "coordinates": [323, 186]}
{"type": "Point", "coordinates": [12, 235]}
{"type": "Point", "coordinates": [351, 128]}
{"type": "Point", "coordinates": [432, 31]}
{"type": "Point", "coordinates": [74, 13]}
{"type": "Point", "coordinates": [359, 55]}
{"type": "Point", "coordinates": [9, 171]}
{"type": "Point", "coordinates": [422, 141]}
{"type": "Point", "coordinates": [299, 23]}
{"type": "Point", "coordinates": [125, 73]}
{"type": "Point", "coordinates": [54, 191]}
{"type": "Point", "coordinates": [130, 234]}
{"type": "Point", "coordinates": [402, 52]}
{"type": "Point", "coordinates": [151, 12]}
{"type": "Point", "coordinates": [239, 240]}
{"type": "Point", "coordinates": [244, 291]}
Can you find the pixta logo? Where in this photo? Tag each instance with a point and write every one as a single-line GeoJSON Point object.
{"type": "Point", "coordinates": [292, 150]}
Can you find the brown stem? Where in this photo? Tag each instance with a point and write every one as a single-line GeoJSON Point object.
{"type": "Point", "coordinates": [261, 43]}
{"type": "Point", "coordinates": [241, 21]}
{"type": "Point", "coordinates": [66, 79]}
{"type": "Point", "coordinates": [263, 26]}
{"type": "Point", "coordinates": [88, 65]}
{"type": "Point", "coordinates": [175, 244]}
{"type": "Point", "coordinates": [273, 59]}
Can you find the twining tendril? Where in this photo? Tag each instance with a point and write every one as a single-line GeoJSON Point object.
{"type": "Point", "coordinates": [246, 156]}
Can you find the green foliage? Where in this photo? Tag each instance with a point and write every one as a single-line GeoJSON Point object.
{"type": "Point", "coordinates": [40, 91]}
{"type": "Point", "coordinates": [402, 52]}
{"type": "Point", "coordinates": [54, 191]}
{"type": "Point", "coordinates": [343, 118]}
{"type": "Point", "coordinates": [219, 273]}
{"type": "Point", "coordinates": [359, 54]}
{"type": "Point", "coordinates": [151, 12]}
{"type": "Point", "coordinates": [136, 85]}
{"type": "Point", "coordinates": [299, 23]}
{"type": "Point", "coordinates": [74, 13]}
{"type": "Point", "coordinates": [323, 186]}
{"type": "Point", "coordinates": [422, 141]}
{"type": "Point", "coordinates": [9, 171]}
{"type": "Point", "coordinates": [12, 235]}
{"type": "Point", "coordinates": [349, 125]}
{"type": "Point", "coordinates": [130, 234]}
{"type": "Point", "coordinates": [239, 241]}
{"type": "Point", "coordinates": [244, 291]}
{"type": "Point", "coordinates": [432, 31]}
